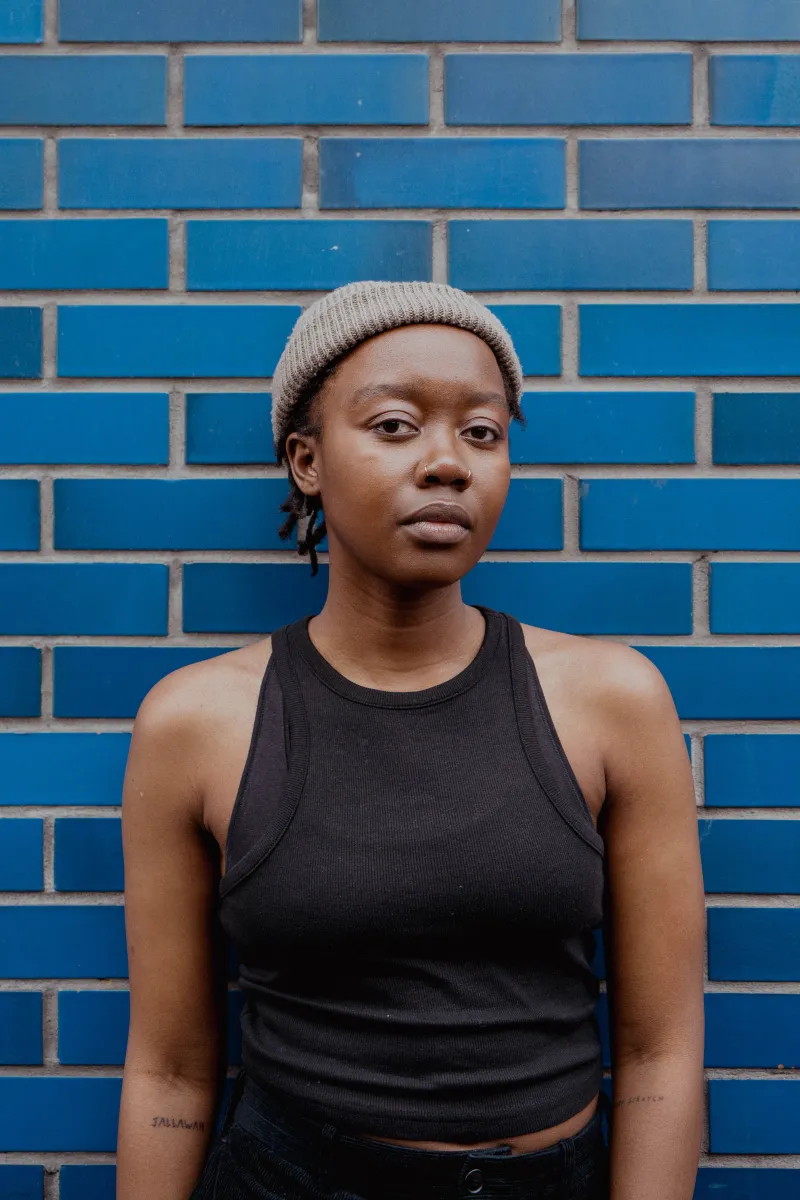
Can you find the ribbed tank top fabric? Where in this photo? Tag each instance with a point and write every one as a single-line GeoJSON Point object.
{"type": "Point", "coordinates": [412, 884]}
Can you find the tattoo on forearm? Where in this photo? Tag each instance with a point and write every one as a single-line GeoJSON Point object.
{"type": "Point", "coordinates": [171, 1123]}
{"type": "Point", "coordinates": [638, 1100]}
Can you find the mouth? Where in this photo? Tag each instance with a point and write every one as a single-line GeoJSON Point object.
{"type": "Point", "coordinates": [439, 524]}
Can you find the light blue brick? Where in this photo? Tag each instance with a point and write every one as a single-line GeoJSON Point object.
{"type": "Point", "coordinates": [229, 427]}
{"type": "Point", "coordinates": [739, 1183]}
{"type": "Point", "coordinates": [309, 89]}
{"type": "Point", "coordinates": [757, 427]}
{"type": "Point", "coordinates": [192, 341]}
{"type": "Point", "coordinates": [751, 856]}
{"type": "Point", "coordinates": [20, 681]}
{"type": "Point", "coordinates": [752, 770]}
{"type": "Point", "coordinates": [755, 598]}
{"type": "Point", "coordinates": [754, 1116]}
{"type": "Point", "coordinates": [93, 1027]}
{"type": "Point", "coordinates": [63, 768]}
{"type": "Point", "coordinates": [22, 1183]}
{"type": "Point", "coordinates": [569, 254]}
{"type": "Point", "coordinates": [21, 863]}
{"type": "Point", "coordinates": [568, 89]}
{"type": "Point", "coordinates": [88, 855]}
{"type": "Point", "coordinates": [532, 517]}
{"type": "Point", "coordinates": [21, 21]}
{"type": "Point", "coordinates": [605, 427]}
{"type": "Point", "coordinates": [20, 343]}
{"type": "Point", "coordinates": [690, 20]}
{"type": "Point", "coordinates": [38, 1113]}
{"type": "Point", "coordinates": [84, 427]}
{"type": "Point", "coordinates": [90, 1183]}
{"type": "Point", "coordinates": [68, 941]}
{"type": "Point", "coordinates": [535, 330]}
{"type": "Point", "coordinates": [84, 598]}
{"type": "Point", "coordinates": [59, 89]}
{"type": "Point", "coordinates": [754, 255]}
{"type": "Point", "coordinates": [618, 173]}
{"type": "Point", "coordinates": [721, 683]}
{"type": "Point", "coordinates": [755, 89]}
{"type": "Point", "coordinates": [751, 1030]}
{"type": "Point", "coordinates": [301, 255]}
{"type": "Point", "coordinates": [754, 944]}
{"type": "Point", "coordinates": [179, 172]}
{"type": "Point", "coordinates": [20, 1029]}
{"type": "Point", "coordinates": [180, 21]}
{"type": "Point", "coordinates": [112, 681]}
{"type": "Point", "coordinates": [444, 21]}
{"type": "Point", "coordinates": [442, 172]}
{"type": "Point", "coordinates": [629, 340]}
{"type": "Point", "coordinates": [19, 514]}
{"type": "Point", "coordinates": [84, 254]}
{"type": "Point", "coordinates": [21, 173]}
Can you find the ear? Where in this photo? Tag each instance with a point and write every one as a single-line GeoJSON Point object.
{"type": "Point", "coordinates": [301, 455]}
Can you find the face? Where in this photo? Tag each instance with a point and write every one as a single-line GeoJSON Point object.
{"type": "Point", "coordinates": [412, 464]}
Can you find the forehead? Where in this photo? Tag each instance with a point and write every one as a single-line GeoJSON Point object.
{"type": "Point", "coordinates": [439, 354]}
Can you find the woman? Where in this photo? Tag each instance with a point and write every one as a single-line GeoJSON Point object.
{"type": "Point", "coordinates": [404, 798]}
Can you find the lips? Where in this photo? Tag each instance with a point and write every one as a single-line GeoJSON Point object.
{"type": "Point", "coordinates": [439, 524]}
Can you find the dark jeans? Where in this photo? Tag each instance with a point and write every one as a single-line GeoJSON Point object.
{"type": "Point", "coordinates": [266, 1152]}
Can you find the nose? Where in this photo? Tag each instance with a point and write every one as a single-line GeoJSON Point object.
{"type": "Point", "coordinates": [444, 470]}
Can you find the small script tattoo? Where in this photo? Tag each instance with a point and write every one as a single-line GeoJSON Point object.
{"type": "Point", "coordinates": [171, 1123]}
{"type": "Point", "coordinates": [638, 1100]}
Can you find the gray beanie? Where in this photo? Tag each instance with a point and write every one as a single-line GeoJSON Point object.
{"type": "Point", "coordinates": [349, 315]}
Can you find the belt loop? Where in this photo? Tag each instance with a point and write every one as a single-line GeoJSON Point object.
{"type": "Point", "coordinates": [568, 1151]}
{"type": "Point", "coordinates": [233, 1100]}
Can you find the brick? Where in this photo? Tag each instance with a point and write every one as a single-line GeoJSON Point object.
{"type": "Point", "coordinates": [754, 1116]}
{"type": "Point", "coordinates": [442, 172]}
{"type": "Point", "coordinates": [754, 943]}
{"type": "Point", "coordinates": [84, 598]}
{"type": "Point", "coordinates": [97, 89]}
{"type": "Point", "coordinates": [228, 427]}
{"type": "Point", "coordinates": [681, 173]}
{"type": "Point", "coordinates": [731, 682]}
{"type": "Point", "coordinates": [755, 89]}
{"type": "Point", "coordinates": [755, 598]}
{"type": "Point", "coordinates": [753, 255]}
{"type": "Point", "coordinates": [20, 343]}
{"type": "Point", "coordinates": [756, 427]}
{"type": "Point", "coordinates": [751, 856]}
{"type": "Point", "coordinates": [192, 341]}
{"type": "Point", "coordinates": [736, 1183]}
{"type": "Point", "coordinates": [249, 597]}
{"type": "Point", "coordinates": [21, 172]}
{"type": "Point", "coordinates": [445, 21]}
{"type": "Point", "coordinates": [180, 21]}
{"type": "Point", "coordinates": [59, 1114]}
{"type": "Point", "coordinates": [605, 427]}
{"type": "Point", "coordinates": [310, 89]}
{"type": "Point", "coordinates": [568, 89]}
{"type": "Point", "coordinates": [536, 333]}
{"type": "Point", "coordinates": [301, 255]}
{"type": "Point", "coordinates": [570, 254]}
{"type": "Point", "coordinates": [63, 768]}
{"type": "Point", "coordinates": [112, 681]}
{"type": "Point", "coordinates": [20, 1032]}
{"type": "Point", "coordinates": [20, 681]}
{"type": "Point", "coordinates": [179, 172]}
{"type": "Point", "coordinates": [84, 254]}
{"type": "Point", "coordinates": [629, 340]}
{"type": "Point", "coordinates": [22, 21]}
{"type": "Point", "coordinates": [690, 20]}
{"type": "Point", "coordinates": [21, 864]}
{"type": "Point", "coordinates": [88, 855]}
{"type": "Point", "coordinates": [22, 1182]}
{"type": "Point", "coordinates": [752, 1030]}
{"type": "Point", "coordinates": [92, 1183]}
{"type": "Point", "coordinates": [68, 941]}
{"type": "Point", "coordinates": [745, 770]}
{"type": "Point", "coordinates": [532, 517]}
{"type": "Point", "coordinates": [84, 427]}
{"type": "Point", "coordinates": [19, 514]}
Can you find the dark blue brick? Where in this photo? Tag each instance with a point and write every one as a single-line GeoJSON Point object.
{"type": "Point", "coordinates": [22, 21]}
{"type": "Point", "coordinates": [309, 89]}
{"type": "Point", "coordinates": [757, 427]}
{"type": "Point", "coordinates": [59, 1114]}
{"type": "Point", "coordinates": [180, 21]}
{"type": "Point", "coordinates": [19, 514]}
{"type": "Point", "coordinates": [491, 255]}
{"type": "Point", "coordinates": [754, 943]}
{"type": "Point", "coordinates": [22, 1183]}
{"type": "Point", "coordinates": [444, 21]}
{"type": "Point", "coordinates": [69, 942]}
{"type": "Point", "coordinates": [690, 20]}
{"type": "Point", "coordinates": [93, 1027]}
{"type": "Point", "coordinates": [229, 427]}
{"type": "Point", "coordinates": [442, 172]}
{"type": "Point", "coordinates": [192, 341]}
{"type": "Point", "coordinates": [755, 89]}
{"type": "Point", "coordinates": [84, 598]}
{"type": "Point", "coordinates": [680, 173]}
{"type": "Point", "coordinates": [179, 172]}
{"type": "Point", "coordinates": [568, 89]}
{"type": "Point", "coordinates": [754, 1116]}
{"type": "Point", "coordinates": [84, 427]}
{"type": "Point", "coordinates": [96, 1183]}
{"type": "Point", "coordinates": [63, 768]}
{"type": "Point", "coordinates": [20, 1031]}
{"type": "Point", "coordinates": [751, 856]}
{"type": "Point", "coordinates": [21, 172]}
{"type": "Point", "coordinates": [631, 340]}
{"type": "Point", "coordinates": [536, 333]}
{"type": "Point", "coordinates": [753, 255]}
{"type": "Point", "coordinates": [755, 598]}
{"type": "Point", "coordinates": [731, 683]}
{"type": "Point", "coordinates": [88, 855]}
{"type": "Point", "coordinates": [752, 770]}
{"type": "Point", "coordinates": [733, 1183]}
{"type": "Point", "coordinates": [249, 597]}
{"type": "Point", "coordinates": [300, 255]}
{"type": "Point", "coordinates": [21, 865]}
{"type": "Point", "coordinates": [20, 343]}
{"type": "Point", "coordinates": [752, 1030]}
{"type": "Point", "coordinates": [532, 517]}
{"type": "Point", "coordinates": [20, 681]}
{"type": "Point", "coordinates": [84, 254]}
{"type": "Point", "coordinates": [605, 427]}
{"type": "Point", "coordinates": [59, 89]}
{"type": "Point", "coordinates": [112, 681]}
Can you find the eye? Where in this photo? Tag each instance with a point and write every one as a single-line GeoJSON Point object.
{"type": "Point", "coordinates": [391, 426]}
{"type": "Point", "coordinates": [483, 433]}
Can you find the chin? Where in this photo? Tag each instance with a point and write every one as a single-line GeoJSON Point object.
{"type": "Point", "coordinates": [429, 569]}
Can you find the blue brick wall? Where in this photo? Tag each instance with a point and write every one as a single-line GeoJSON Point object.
{"type": "Point", "coordinates": [620, 181]}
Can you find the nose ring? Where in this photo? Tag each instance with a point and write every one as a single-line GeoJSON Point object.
{"type": "Point", "coordinates": [428, 472]}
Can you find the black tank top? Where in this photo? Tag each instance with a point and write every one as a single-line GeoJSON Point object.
{"type": "Point", "coordinates": [412, 883]}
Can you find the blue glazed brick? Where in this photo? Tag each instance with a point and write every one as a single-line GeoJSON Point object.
{"type": "Point", "coordinates": [112, 681]}
{"type": "Point", "coordinates": [21, 1183]}
{"type": "Point", "coordinates": [21, 864]}
{"type": "Point", "coordinates": [745, 770]}
{"type": "Point", "coordinates": [690, 514]}
{"type": "Point", "coordinates": [731, 683]}
{"type": "Point", "coordinates": [140, 341]}
{"type": "Point", "coordinates": [91, 1183]}
{"type": "Point", "coordinates": [568, 89]}
{"type": "Point", "coordinates": [19, 514]}
{"type": "Point", "coordinates": [20, 1031]}
{"type": "Point", "coordinates": [442, 172]}
{"type": "Point", "coordinates": [753, 255]}
{"type": "Point", "coordinates": [38, 1113]}
{"type": "Point", "coordinates": [312, 89]}
{"type": "Point", "coordinates": [84, 427]}
{"type": "Point", "coordinates": [754, 943]}
{"type": "Point", "coordinates": [750, 1030]}
{"type": "Point", "coordinates": [755, 89]}
{"type": "Point", "coordinates": [681, 173]}
{"type": "Point", "coordinates": [20, 681]}
{"type": "Point", "coordinates": [492, 255]}
{"type": "Point", "coordinates": [532, 517]}
{"type": "Point", "coordinates": [755, 598]}
{"type": "Point", "coordinates": [300, 255]}
{"type": "Point", "coordinates": [84, 254]}
{"type": "Point", "coordinates": [180, 21]}
{"type": "Point", "coordinates": [20, 343]}
{"type": "Point", "coordinates": [21, 21]}
{"type": "Point", "coordinates": [757, 427]}
{"type": "Point", "coordinates": [88, 855]}
{"type": "Point", "coordinates": [605, 427]}
{"type": "Point", "coordinates": [179, 172]}
{"type": "Point", "coordinates": [57, 89]}
{"type": "Point", "coordinates": [754, 1116]}
{"type": "Point", "coordinates": [690, 20]}
{"type": "Point", "coordinates": [228, 427]}
{"type": "Point", "coordinates": [21, 172]}
{"type": "Point", "coordinates": [536, 332]}
{"type": "Point", "coordinates": [249, 597]}
{"type": "Point", "coordinates": [751, 856]}
{"type": "Point", "coordinates": [444, 21]}
{"type": "Point", "coordinates": [93, 1028]}
{"type": "Point", "coordinates": [631, 340]}
{"type": "Point", "coordinates": [63, 768]}
{"type": "Point", "coordinates": [71, 942]}
{"type": "Point", "coordinates": [740, 1183]}
{"type": "Point", "coordinates": [84, 598]}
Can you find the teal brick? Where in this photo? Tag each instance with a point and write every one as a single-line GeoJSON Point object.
{"type": "Point", "coordinates": [96, 89]}
{"type": "Point", "coordinates": [84, 598]}
{"type": "Point", "coordinates": [62, 768]}
{"type": "Point", "coordinates": [88, 254]}
{"type": "Point", "coordinates": [21, 173]}
{"type": "Point", "coordinates": [86, 428]}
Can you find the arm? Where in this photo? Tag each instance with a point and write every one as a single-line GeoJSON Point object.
{"type": "Point", "coordinates": [173, 1067]}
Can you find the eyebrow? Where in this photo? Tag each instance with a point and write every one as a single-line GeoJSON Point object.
{"type": "Point", "coordinates": [406, 391]}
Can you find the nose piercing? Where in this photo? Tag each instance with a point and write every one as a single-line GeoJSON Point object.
{"type": "Point", "coordinates": [428, 472]}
